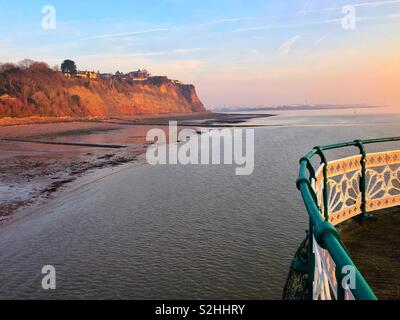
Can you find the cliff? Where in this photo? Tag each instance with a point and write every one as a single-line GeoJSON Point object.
{"type": "Point", "coordinates": [41, 91]}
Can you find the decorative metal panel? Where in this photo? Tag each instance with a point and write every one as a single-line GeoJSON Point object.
{"type": "Point", "coordinates": [325, 284]}
{"type": "Point", "coordinates": [344, 190]}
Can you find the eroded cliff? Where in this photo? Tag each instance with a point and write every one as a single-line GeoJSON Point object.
{"type": "Point", "coordinates": [40, 91]}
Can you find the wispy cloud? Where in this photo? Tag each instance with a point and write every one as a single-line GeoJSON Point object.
{"type": "Point", "coordinates": [316, 23]}
{"type": "Point", "coordinates": [167, 52]}
{"type": "Point", "coordinates": [162, 29]}
{"type": "Point", "coordinates": [287, 26]}
{"type": "Point", "coordinates": [361, 4]}
{"type": "Point", "coordinates": [227, 20]}
{"type": "Point", "coordinates": [129, 34]}
{"type": "Point", "coordinates": [288, 45]}
{"type": "Point", "coordinates": [319, 40]}
{"type": "Point", "coordinates": [385, 17]}
{"type": "Point", "coordinates": [166, 29]}
{"type": "Point", "coordinates": [147, 54]}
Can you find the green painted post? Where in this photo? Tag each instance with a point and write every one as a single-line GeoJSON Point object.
{"type": "Point", "coordinates": [311, 255]}
{"type": "Point", "coordinates": [325, 171]}
{"type": "Point", "coordinates": [363, 178]}
{"type": "Point", "coordinates": [311, 262]}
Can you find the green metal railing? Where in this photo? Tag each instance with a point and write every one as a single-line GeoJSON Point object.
{"type": "Point", "coordinates": [324, 232]}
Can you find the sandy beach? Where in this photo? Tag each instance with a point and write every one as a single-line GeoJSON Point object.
{"type": "Point", "coordinates": [37, 158]}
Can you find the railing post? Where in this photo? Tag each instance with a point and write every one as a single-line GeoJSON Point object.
{"type": "Point", "coordinates": [363, 177]}
{"type": "Point", "coordinates": [325, 172]}
{"type": "Point", "coordinates": [305, 163]}
{"type": "Point", "coordinates": [311, 262]}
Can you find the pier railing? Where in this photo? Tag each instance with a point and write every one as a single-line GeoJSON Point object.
{"type": "Point", "coordinates": [336, 192]}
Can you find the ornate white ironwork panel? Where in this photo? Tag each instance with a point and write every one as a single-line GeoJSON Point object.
{"type": "Point", "coordinates": [325, 283]}
{"type": "Point", "coordinates": [344, 196]}
{"type": "Point", "coordinates": [383, 180]}
{"type": "Point", "coordinates": [344, 190]}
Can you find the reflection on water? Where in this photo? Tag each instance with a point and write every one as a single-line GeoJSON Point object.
{"type": "Point", "coordinates": [175, 232]}
{"type": "Point", "coordinates": [329, 117]}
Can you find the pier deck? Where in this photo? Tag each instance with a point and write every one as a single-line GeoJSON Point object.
{"type": "Point", "coordinates": [374, 246]}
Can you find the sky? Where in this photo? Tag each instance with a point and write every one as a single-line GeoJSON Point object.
{"type": "Point", "coordinates": [236, 52]}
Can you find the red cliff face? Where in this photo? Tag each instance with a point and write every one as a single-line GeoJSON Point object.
{"type": "Point", "coordinates": [40, 91]}
{"type": "Point", "coordinates": [189, 92]}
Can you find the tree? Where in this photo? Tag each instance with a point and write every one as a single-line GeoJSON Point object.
{"type": "Point", "coordinates": [76, 100]}
{"type": "Point", "coordinates": [8, 67]}
{"type": "Point", "coordinates": [69, 66]}
{"type": "Point", "coordinates": [26, 63]}
{"type": "Point", "coordinates": [39, 66]}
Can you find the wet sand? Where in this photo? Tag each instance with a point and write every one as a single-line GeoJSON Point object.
{"type": "Point", "coordinates": [38, 159]}
{"type": "Point", "coordinates": [207, 120]}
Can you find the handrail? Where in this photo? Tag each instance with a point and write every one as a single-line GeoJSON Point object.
{"type": "Point", "coordinates": [321, 229]}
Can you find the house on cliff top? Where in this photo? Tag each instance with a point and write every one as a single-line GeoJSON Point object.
{"type": "Point", "coordinates": [139, 75]}
{"type": "Point", "coordinates": [82, 74]}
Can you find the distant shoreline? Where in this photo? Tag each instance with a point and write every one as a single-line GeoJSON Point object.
{"type": "Point", "coordinates": [295, 108]}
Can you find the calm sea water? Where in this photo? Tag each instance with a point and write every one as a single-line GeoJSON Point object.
{"type": "Point", "coordinates": [175, 232]}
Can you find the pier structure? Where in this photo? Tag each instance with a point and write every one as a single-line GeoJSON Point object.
{"type": "Point", "coordinates": [352, 246]}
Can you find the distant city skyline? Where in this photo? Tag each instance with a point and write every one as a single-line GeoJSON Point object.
{"type": "Point", "coordinates": [235, 52]}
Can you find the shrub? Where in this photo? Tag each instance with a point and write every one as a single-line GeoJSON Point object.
{"type": "Point", "coordinates": [76, 100]}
